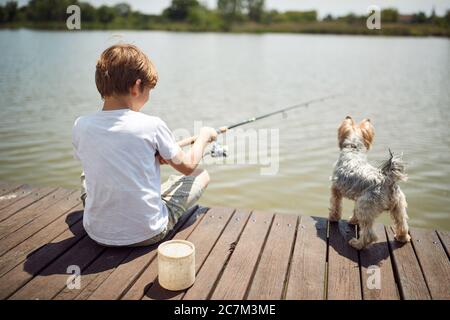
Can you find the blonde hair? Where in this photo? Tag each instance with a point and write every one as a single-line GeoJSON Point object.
{"type": "Point", "coordinates": [120, 66]}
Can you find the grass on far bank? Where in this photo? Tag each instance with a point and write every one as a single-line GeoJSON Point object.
{"type": "Point", "coordinates": [336, 27]}
{"type": "Point", "coordinates": [319, 27]}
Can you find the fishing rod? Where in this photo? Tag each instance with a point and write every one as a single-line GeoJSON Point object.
{"type": "Point", "coordinates": [216, 151]}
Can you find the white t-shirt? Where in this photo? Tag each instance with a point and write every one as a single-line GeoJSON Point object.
{"type": "Point", "coordinates": [123, 185]}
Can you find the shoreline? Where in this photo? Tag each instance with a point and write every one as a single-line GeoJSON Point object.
{"type": "Point", "coordinates": [388, 30]}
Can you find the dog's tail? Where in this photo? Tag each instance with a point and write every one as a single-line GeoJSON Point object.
{"type": "Point", "coordinates": [394, 168]}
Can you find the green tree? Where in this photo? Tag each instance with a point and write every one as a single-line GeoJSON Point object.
{"type": "Point", "coordinates": [203, 19]}
{"type": "Point", "coordinates": [2, 14]}
{"type": "Point", "coordinates": [88, 12]}
{"type": "Point", "coordinates": [270, 16]}
{"type": "Point", "coordinates": [255, 9]}
{"type": "Point", "coordinates": [48, 10]}
{"type": "Point", "coordinates": [10, 11]}
{"type": "Point", "coordinates": [420, 17]}
{"type": "Point", "coordinates": [350, 18]}
{"type": "Point", "coordinates": [179, 9]}
{"type": "Point", "coordinates": [38, 10]}
{"type": "Point", "coordinates": [278, 17]}
{"type": "Point", "coordinates": [389, 15]}
{"type": "Point", "coordinates": [328, 17]}
{"type": "Point", "coordinates": [230, 11]}
{"type": "Point", "coordinates": [105, 14]}
{"type": "Point", "coordinates": [433, 17]}
{"type": "Point", "coordinates": [122, 9]}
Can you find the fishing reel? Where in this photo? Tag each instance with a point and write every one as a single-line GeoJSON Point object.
{"type": "Point", "coordinates": [218, 150]}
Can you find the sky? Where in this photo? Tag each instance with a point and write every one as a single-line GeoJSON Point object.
{"type": "Point", "coordinates": [324, 7]}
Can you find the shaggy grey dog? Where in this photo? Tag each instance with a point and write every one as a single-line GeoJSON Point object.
{"type": "Point", "coordinates": [374, 190]}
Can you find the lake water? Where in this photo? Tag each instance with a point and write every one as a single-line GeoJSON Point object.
{"type": "Point", "coordinates": [402, 84]}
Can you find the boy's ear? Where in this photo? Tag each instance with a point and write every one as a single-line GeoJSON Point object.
{"type": "Point", "coordinates": [136, 88]}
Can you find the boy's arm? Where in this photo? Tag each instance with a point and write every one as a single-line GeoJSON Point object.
{"type": "Point", "coordinates": [187, 162]}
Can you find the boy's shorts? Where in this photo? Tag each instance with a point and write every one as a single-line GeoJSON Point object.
{"type": "Point", "coordinates": [178, 194]}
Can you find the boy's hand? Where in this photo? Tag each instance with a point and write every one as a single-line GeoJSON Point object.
{"type": "Point", "coordinates": [187, 162]}
{"type": "Point", "coordinates": [223, 129]}
{"type": "Point", "coordinates": [209, 134]}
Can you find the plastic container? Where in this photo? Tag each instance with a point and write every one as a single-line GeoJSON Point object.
{"type": "Point", "coordinates": [176, 264]}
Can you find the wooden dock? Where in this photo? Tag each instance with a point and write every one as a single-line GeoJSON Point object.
{"type": "Point", "coordinates": [240, 254]}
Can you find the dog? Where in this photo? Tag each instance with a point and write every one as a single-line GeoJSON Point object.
{"type": "Point", "coordinates": [374, 190]}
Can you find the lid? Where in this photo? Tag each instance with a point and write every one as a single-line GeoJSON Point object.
{"type": "Point", "coordinates": [176, 248]}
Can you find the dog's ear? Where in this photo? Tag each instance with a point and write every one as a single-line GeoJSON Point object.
{"type": "Point", "coordinates": [368, 132]}
{"type": "Point", "coordinates": [345, 129]}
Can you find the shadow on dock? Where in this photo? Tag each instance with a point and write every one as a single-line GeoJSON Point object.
{"type": "Point", "coordinates": [81, 243]}
{"type": "Point", "coordinates": [338, 234]}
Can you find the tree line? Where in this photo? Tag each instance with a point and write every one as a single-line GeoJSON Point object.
{"type": "Point", "coordinates": [187, 12]}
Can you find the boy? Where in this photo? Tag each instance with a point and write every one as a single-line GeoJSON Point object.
{"type": "Point", "coordinates": [121, 150]}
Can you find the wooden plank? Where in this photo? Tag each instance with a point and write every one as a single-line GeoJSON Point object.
{"type": "Point", "coordinates": [271, 271]}
{"type": "Point", "coordinates": [444, 236]}
{"type": "Point", "coordinates": [24, 202]}
{"type": "Point", "coordinates": [52, 213]}
{"type": "Point", "coordinates": [14, 257]}
{"type": "Point", "coordinates": [54, 278]}
{"type": "Point", "coordinates": [6, 188]}
{"type": "Point", "coordinates": [412, 285]}
{"type": "Point", "coordinates": [38, 260]}
{"type": "Point", "coordinates": [203, 237]}
{"type": "Point", "coordinates": [14, 194]}
{"type": "Point", "coordinates": [434, 262]}
{"type": "Point", "coordinates": [31, 212]}
{"type": "Point", "coordinates": [217, 259]}
{"type": "Point", "coordinates": [343, 264]}
{"type": "Point", "coordinates": [146, 279]}
{"type": "Point", "coordinates": [239, 271]}
{"type": "Point", "coordinates": [95, 274]}
{"type": "Point", "coordinates": [124, 276]}
{"type": "Point", "coordinates": [376, 262]}
{"type": "Point", "coordinates": [308, 266]}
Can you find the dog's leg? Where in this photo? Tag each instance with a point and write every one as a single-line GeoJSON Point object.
{"type": "Point", "coordinates": [400, 217]}
{"type": "Point", "coordinates": [335, 204]}
{"type": "Point", "coordinates": [366, 236]}
{"type": "Point", "coordinates": [353, 219]}
{"type": "Point", "coordinates": [365, 213]}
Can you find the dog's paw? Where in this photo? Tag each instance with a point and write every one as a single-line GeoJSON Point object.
{"type": "Point", "coordinates": [403, 238]}
{"type": "Point", "coordinates": [355, 243]}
